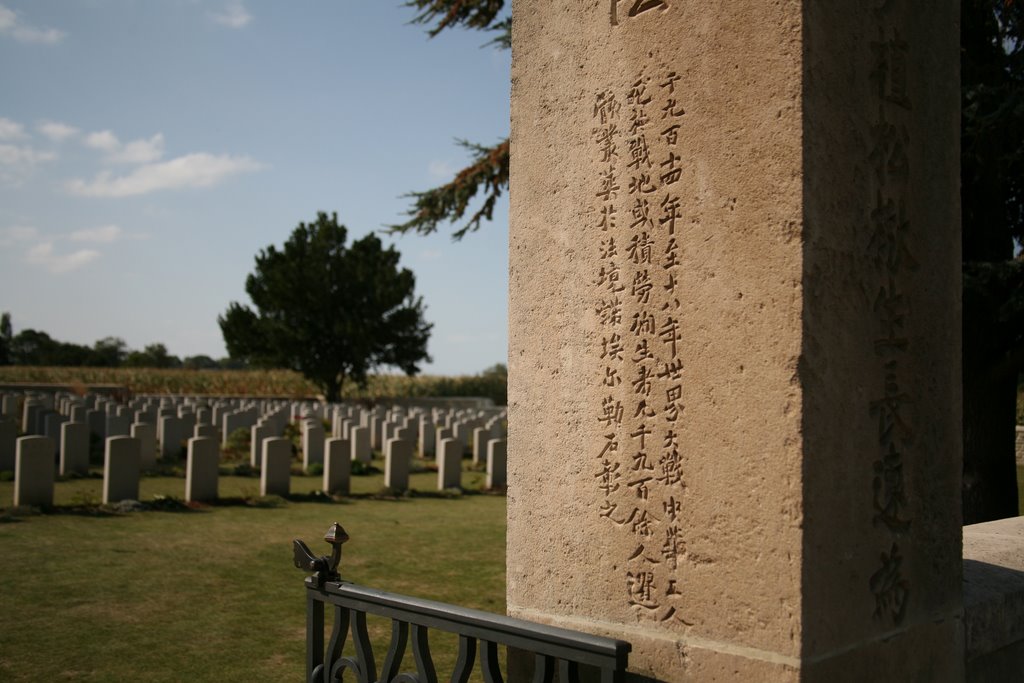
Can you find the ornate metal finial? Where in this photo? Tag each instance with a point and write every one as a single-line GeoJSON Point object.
{"type": "Point", "coordinates": [324, 567]}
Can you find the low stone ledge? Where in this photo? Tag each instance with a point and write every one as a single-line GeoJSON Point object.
{"type": "Point", "coordinates": [994, 599]}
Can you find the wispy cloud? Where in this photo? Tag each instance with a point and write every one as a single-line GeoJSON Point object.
{"type": "Point", "coordinates": [17, 162]}
{"type": "Point", "coordinates": [192, 170]}
{"type": "Point", "coordinates": [15, 234]}
{"type": "Point", "coordinates": [103, 235]}
{"type": "Point", "coordinates": [441, 170]}
{"type": "Point", "coordinates": [56, 131]}
{"type": "Point", "coordinates": [234, 15]}
{"type": "Point", "coordinates": [139, 151]}
{"type": "Point", "coordinates": [12, 25]}
{"type": "Point", "coordinates": [11, 130]}
{"type": "Point", "coordinates": [43, 254]}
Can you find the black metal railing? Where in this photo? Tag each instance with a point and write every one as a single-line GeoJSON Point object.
{"type": "Point", "coordinates": [411, 618]}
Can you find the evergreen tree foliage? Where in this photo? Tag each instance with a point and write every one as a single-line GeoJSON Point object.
{"type": "Point", "coordinates": [328, 310]}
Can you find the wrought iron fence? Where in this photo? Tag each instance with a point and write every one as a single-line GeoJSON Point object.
{"type": "Point", "coordinates": [411, 619]}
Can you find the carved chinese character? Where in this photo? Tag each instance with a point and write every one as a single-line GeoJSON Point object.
{"type": "Point", "coordinates": [671, 254]}
{"type": "Point", "coordinates": [640, 463]}
{"type": "Point", "coordinates": [671, 335]}
{"type": "Point", "coordinates": [889, 229]}
{"type": "Point", "coordinates": [607, 217]}
{"type": "Point", "coordinates": [609, 185]}
{"type": "Point", "coordinates": [611, 377]}
{"type": "Point", "coordinates": [611, 446]}
{"type": "Point", "coordinates": [609, 277]}
{"type": "Point", "coordinates": [639, 152]}
{"type": "Point", "coordinates": [642, 353]}
{"type": "Point", "coordinates": [670, 82]}
{"type": "Point", "coordinates": [672, 109]}
{"type": "Point", "coordinates": [611, 347]}
{"type": "Point", "coordinates": [672, 507]}
{"type": "Point", "coordinates": [671, 468]}
{"type": "Point", "coordinates": [640, 248]}
{"type": "Point", "coordinates": [611, 412]}
{"type": "Point", "coordinates": [642, 286]}
{"type": "Point", "coordinates": [889, 144]}
{"type": "Point", "coordinates": [673, 546]}
{"type": "Point", "coordinates": [891, 424]}
{"type": "Point", "coordinates": [606, 107]}
{"type": "Point", "coordinates": [641, 433]}
{"type": "Point", "coordinates": [642, 383]}
{"type": "Point", "coordinates": [605, 138]}
{"type": "Point", "coordinates": [673, 370]}
{"type": "Point", "coordinates": [673, 403]}
{"type": "Point", "coordinates": [608, 248]}
{"type": "Point", "coordinates": [643, 524]}
{"type": "Point", "coordinates": [671, 134]}
{"type": "Point", "coordinates": [639, 7]}
{"type": "Point", "coordinates": [643, 324]}
{"type": "Point", "coordinates": [672, 174]}
{"type": "Point", "coordinates": [890, 589]}
{"type": "Point", "coordinates": [640, 486]}
{"type": "Point", "coordinates": [641, 213]}
{"type": "Point", "coordinates": [642, 409]}
{"type": "Point", "coordinates": [610, 312]}
{"type": "Point", "coordinates": [890, 498]}
{"type": "Point", "coordinates": [641, 184]}
{"type": "Point", "coordinates": [671, 211]}
{"type": "Point", "coordinates": [639, 587]}
{"type": "Point", "coordinates": [608, 477]}
{"type": "Point", "coordinates": [890, 69]}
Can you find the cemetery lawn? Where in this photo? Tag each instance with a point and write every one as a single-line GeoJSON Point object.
{"type": "Point", "coordinates": [210, 593]}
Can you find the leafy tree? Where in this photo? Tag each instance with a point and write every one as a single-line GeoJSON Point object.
{"type": "Point", "coordinates": [200, 363]}
{"type": "Point", "coordinates": [329, 310]}
{"type": "Point", "coordinates": [108, 352]}
{"type": "Point", "coordinates": [992, 195]}
{"type": "Point", "coordinates": [153, 356]}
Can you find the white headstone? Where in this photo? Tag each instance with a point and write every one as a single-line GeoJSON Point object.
{"type": "Point", "coordinates": [74, 448]}
{"type": "Point", "coordinates": [201, 469]}
{"type": "Point", "coordinates": [360, 438]}
{"type": "Point", "coordinates": [33, 471]}
{"type": "Point", "coordinates": [145, 432]}
{"type": "Point", "coordinates": [275, 467]}
{"type": "Point", "coordinates": [496, 464]}
{"type": "Point", "coordinates": [337, 466]}
{"type": "Point", "coordinates": [449, 464]}
{"type": "Point", "coordinates": [397, 457]}
{"type": "Point", "coordinates": [121, 464]}
{"type": "Point", "coordinates": [312, 444]}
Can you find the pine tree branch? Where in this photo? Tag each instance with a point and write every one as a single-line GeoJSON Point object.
{"type": "Point", "coordinates": [449, 202]}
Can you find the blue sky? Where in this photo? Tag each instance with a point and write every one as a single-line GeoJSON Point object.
{"type": "Point", "coordinates": [148, 151]}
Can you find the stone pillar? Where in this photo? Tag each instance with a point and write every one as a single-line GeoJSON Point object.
{"type": "Point", "coordinates": [201, 469]}
{"type": "Point", "coordinates": [275, 466]}
{"type": "Point", "coordinates": [337, 466]}
{"type": "Point", "coordinates": [33, 471]}
{"type": "Point", "coordinates": [121, 465]}
{"type": "Point", "coordinates": [734, 382]}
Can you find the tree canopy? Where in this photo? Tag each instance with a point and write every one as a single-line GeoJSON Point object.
{"type": "Point", "coordinates": [328, 310]}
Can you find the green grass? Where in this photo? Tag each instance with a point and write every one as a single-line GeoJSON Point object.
{"type": "Point", "coordinates": [210, 593]}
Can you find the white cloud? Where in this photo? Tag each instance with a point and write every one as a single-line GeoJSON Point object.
{"type": "Point", "coordinates": [103, 234]}
{"type": "Point", "coordinates": [11, 130]}
{"type": "Point", "coordinates": [43, 255]}
{"type": "Point", "coordinates": [139, 151]}
{"type": "Point", "coordinates": [192, 170]}
{"type": "Point", "coordinates": [56, 131]}
{"type": "Point", "coordinates": [13, 234]}
{"type": "Point", "coordinates": [103, 140]}
{"type": "Point", "coordinates": [13, 155]}
{"type": "Point", "coordinates": [12, 25]}
{"type": "Point", "coordinates": [234, 15]}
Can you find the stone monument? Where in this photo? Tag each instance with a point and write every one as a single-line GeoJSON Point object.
{"type": "Point", "coordinates": [735, 335]}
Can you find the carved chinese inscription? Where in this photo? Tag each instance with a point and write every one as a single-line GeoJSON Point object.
{"type": "Point", "coordinates": [639, 467]}
{"type": "Point", "coordinates": [636, 8]}
{"type": "Point", "coordinates": [887, 247]}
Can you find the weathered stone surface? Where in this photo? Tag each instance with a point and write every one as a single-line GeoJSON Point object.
{"type": "Point", "coordinates": [734, 333]}
{"type": "Point", "coordinates": [275, 468]}
{"type": "Point", "coordinates": [121, 465]}
{"type": "Point", "coordinates": [449, 464]}
{"type": "Point", "coordinates": [74, 448]}
{"type": "Point", "coordinates": [33, 471]}
{"type": "Point", "coordinates": [201, 470]}
{"type": "Point", "coordinates": [337, 466]}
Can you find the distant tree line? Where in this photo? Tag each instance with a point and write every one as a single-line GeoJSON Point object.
{"type": "Point", "coordinates": [34, 347]}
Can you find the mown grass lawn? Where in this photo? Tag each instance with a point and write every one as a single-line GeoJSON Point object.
{"type": "Point", "coordinates": [211, 594]}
